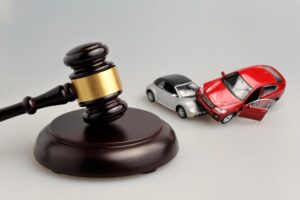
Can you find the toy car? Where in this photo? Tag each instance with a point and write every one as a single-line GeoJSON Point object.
{"type": "Point", "coordinates": [248, 92]}
{"type": "Point", "coordinates": [176, 92]}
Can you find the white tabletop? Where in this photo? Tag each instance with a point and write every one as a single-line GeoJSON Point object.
{"type": "Point", "coordinates": [241, 160]}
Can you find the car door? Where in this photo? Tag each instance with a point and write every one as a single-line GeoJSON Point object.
{"type": "Point", "coordinates": [257, 109]}
{"type": "Point", "coordinates": [169, 96]}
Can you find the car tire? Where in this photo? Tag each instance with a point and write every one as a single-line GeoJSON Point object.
{"type": "Point", "coordinates": [181, 112]}
{"type": "Point", "coordinates": [150, 96]}
{"type": "Point", "coordinates": [228, 118]}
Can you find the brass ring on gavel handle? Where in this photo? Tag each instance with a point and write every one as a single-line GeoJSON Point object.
{"type": "Point", "coordinates": [97, 85]}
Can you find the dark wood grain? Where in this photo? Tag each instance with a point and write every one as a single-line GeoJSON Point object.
{"type": "Point", "coordinates": [59, 95]}
{"type": "Point", "coordinates": [88, 59]}
{"type": "Point", "coordinates": [139, 142]}
{"type": "Point", "coordinates": [104, 140]}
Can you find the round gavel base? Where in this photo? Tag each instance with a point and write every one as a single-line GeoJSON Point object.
{"type": "Point", "coordinates": [137, 143]}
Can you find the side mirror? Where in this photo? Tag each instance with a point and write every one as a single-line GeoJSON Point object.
{"type": "Point", "coordinates": [223, 74]}
{"type": "Point", "coordinates": [174, 95]}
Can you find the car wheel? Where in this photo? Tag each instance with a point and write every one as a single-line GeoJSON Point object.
{"type": "Point", "coordinates": [150, 96]}
{"type": "Point", "coordinates": [228, 118]}
{"type": "Point", "coordinates": [181, 112]}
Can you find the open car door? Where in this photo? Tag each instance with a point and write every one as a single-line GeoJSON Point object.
{"type": "Point", "coordinates": [257, 109]}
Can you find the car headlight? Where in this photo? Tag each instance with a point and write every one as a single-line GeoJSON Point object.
{"type": "Point", "coordinates": [220, 110]}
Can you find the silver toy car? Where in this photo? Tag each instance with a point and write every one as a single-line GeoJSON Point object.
{"type": "Point", "coordinates": [176, 92]}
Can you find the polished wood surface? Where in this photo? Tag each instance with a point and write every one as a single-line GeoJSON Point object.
{"type": "Point", "coordinates": [85, 60]}
{"type": "Point", "coordinates": [104, 140]}
{"type": "Point", "coordinates": [59, 95]}
{"type": "Point", "coordinates": [139, 142]}
{"type": "Point", "coordinates": [88, 59]}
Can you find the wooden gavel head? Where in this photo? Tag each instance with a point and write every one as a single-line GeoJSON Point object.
{"type": "Point", "coordinates": [96, 83]}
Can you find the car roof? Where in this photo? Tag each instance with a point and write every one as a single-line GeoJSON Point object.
{"type": "Point", "coordinates": [257, 76]}
{"type": "Point", "coordinates": [175, 79]}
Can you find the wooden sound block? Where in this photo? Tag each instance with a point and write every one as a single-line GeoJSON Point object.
{"type": "Point", "coordinates": [139, 142]}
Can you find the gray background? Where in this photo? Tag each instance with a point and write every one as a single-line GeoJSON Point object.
{"type": "Point", "coordinates": [241, 160]}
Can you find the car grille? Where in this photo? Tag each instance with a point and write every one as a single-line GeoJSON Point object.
{"type": "Point", "coordinates": [207, 101]}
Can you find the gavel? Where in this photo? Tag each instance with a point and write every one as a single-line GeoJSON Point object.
{"type": "Point", "coordinates": [112, 139]}
{"type": "Point", "coordinates": [95, 83]}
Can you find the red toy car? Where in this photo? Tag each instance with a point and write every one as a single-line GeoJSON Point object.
{"type": "Point", "coordinates": [248, 92]}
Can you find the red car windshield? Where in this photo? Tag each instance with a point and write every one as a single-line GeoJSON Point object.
{"type": "Point", "coordinates": [237, 85]}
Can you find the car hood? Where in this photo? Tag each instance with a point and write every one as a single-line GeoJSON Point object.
{"type": "Point", "coordinates": [219, 95]}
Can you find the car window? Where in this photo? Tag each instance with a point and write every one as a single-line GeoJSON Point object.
{"type": "Point", "coordinates": [254, 96]}
{"type": "Point", "coordinates": [161, 84]}
{"type": "Point", "coordinates": [273, 72]}
{"type": "Point", "coordinates": [268, 89]}
{"type": "Point", "coordinates": [237, 85]}
{"type": "Point", "coordinates": [169, 88]}
{"type": "Point", "coordinates": [157, 81]}
{"type": "Point", "coordinates": [262, 103]}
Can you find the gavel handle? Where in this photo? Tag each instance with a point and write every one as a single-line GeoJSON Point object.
{"type": "Point", "coordinates": [59, 95]}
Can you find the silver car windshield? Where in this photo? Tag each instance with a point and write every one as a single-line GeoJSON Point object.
{"type": "Point", "coordinates": [187, 90]}
{"type": "Point", "coordinates": [237, 85]}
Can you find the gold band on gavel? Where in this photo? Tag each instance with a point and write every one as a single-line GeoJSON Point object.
{"type": "Point", "coordinates": [97, 85]}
